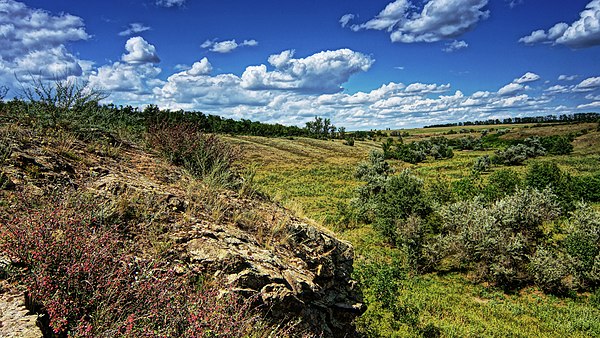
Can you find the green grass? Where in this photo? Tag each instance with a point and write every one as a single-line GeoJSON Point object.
{"type": "Point", "coordinates": [460, 308]}
{"type": "Point", "coordinates": [312, 176]}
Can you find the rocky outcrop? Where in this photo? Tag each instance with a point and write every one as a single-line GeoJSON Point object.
{"type": "Point", "coordinates": [305, 275]}
{"type": "Point", "coordinates": [299, 272]}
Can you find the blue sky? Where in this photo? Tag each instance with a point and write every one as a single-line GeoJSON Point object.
{"type": "Point", "coordinates": [364, 64]}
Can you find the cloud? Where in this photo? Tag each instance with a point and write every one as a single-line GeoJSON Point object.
{"type": "Point", "coordinates": [345, 19]}
{"type": "Point", "coordinates": [170, 3]}
{"type": "Point", "coordinates": [49, 64]}
{"type": "Point", "coordinates": [588, 84]}
{"type": "Point", "coordinates": [33, 42]}
{"type": "Point", "coordinates": [323, 72]}
{"type": "Point", "coordinates": [511, 89]}
{"type": "Point", "coordinates": [535, 37]}
{"type": "Point", "coordinates": [227, 46]}
{"type": "Point", "coordinates": [26, 30]}
{"type": "Point", "coordinates": [592, 97]}
{"type": "Point", "coordinates": [134, 28]}
{"type": "Point", "coordinates": [125, 77]}
{"type": "Point", "coordinates": [134, 79]}
{"type": "Point", "coordinates": [438, 20]}
{"type": "Point", "coordinates": [139, 51]}
{"type": "Point", "coordinates": [517, 85]}
{"type": "Point", "coordinates": [527, 77]}
{"type": "Point", "coordinates": [595, 104]}
{"type": "Point", "coordinates": [293, 90]}
{"type": "Point", "coordinates": [202, 67]}
{"type": "Point", "coordinates": [567, 77]}
{"type": "Point", "coordinates": [454, 46]}
{"type": "Point", "coordinates": [582, 33]}
{"type": "Point", "coordinates": [558, 89]}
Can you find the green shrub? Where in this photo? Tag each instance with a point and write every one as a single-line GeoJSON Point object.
{"type": "Point", "coordinates": [501, 183]}
{"type": "Point", "coordinates": [582, 245]}
{"type": "Point", "coordinates": [467, 187]}
{"type": "Point", "coordinates": [497, 240]}
{"type": "Point", "coordinates": [588, 187]}
{"type": "Point", "coordinates": [557, 145]}
{"type": "Point", "coordinates": [467, 143]}
{"type": "Point", "coordinates": [440, 191]}
{"type": "Point", "coordinates": [517, 154]}
{"type": "Point", "coordinates": [381, 283]}
{"type": "Point", "coordinates": [482, 164]}
{"type": "Point", "coordinates": [541, 175]}
{"type": "Point", "coordinates": [204, 156]}
{"type": "Point", "coordinates": [375, 173]}
{"type": "Point", "coordinates": [574, 262]}
{"type": "Point", "coordinates": [551, 271]}
{"type": "Point", "coordinates": [403, 195]}
{"type": "Point", "coordinates": [416, 152]}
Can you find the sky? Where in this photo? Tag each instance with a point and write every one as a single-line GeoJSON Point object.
{"type": "Point", "coordinates": [372, 64]}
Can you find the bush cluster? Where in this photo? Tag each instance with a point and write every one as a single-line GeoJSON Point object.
{"type": "Point", "coordinates": [496, 240]}
{"type": "Point", "coordinates": [203, 155]}
{"type": "Point", "coordinates": [467, 143]}
{"type": "Point", "coordinates": [558, 144]}
{"type": "Point", "coordinates": [418, 151]}
{"type": "Point", "coordinates": [510, 230]}
{"type": "Point", "coordinates": [482, 164]}
{"type": "Point", "coordinates": [517, 154]}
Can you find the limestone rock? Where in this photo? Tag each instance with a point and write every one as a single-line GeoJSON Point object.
{"type": "Point", "coordinates": [15, 319]}
{"type": "Point", "coordinates": [308, 276]}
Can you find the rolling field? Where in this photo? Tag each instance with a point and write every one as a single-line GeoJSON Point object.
{"type": "Point", "coordinates": [311, 177]}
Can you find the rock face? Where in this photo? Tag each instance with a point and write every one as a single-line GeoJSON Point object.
{"type": "Point", "coordinates": [306, 275]}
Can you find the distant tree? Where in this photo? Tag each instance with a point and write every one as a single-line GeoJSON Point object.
{"type": "Point", "coordinates": [342, 132]}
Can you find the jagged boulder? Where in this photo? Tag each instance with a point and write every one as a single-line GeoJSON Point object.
{"type": "Point", "coordinates": [305, 275]}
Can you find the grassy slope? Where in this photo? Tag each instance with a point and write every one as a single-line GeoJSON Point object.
{"type": "Point", "coordinates": [312, 176]}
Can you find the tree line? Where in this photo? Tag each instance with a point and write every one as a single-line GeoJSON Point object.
{"type": "Point", "coordinates": [565, 118]}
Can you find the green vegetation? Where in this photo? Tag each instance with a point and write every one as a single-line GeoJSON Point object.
{"type": "Point", "coordinates": [421, 270]}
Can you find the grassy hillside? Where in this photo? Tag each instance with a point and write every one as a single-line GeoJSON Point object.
{"type": "Point", "coordinates": [313, 177]}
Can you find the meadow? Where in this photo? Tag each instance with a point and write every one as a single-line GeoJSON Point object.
{"type": "Point", "coordinates": [316, 179]}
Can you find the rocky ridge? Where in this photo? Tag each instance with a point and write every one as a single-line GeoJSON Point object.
{"type": "Point", "coordinates": [301, 272]}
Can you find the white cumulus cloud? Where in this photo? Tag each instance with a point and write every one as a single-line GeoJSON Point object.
{"type": "Point", "coordinates": [202, 67]}
{"type": "Point", "coordinates": [563, 77]}
{"type": "Point", "coordinates": [588, 84]}
{"type": "Point", "coordinates": [33, 42]}
{"type": "Point", "coordinates": [323, 72]}
{"type": "Point", "coordinates": [511, 89]}
{"type": "Point", "coordinates": [438, 20]}
{"type": "Point", "coordinates": [139, 51]}
{"type": "Point", "coordinates": [582, 33]}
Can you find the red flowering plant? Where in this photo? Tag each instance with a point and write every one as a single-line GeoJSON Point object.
{"type": "Point", "coordinates": [77, 271]}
